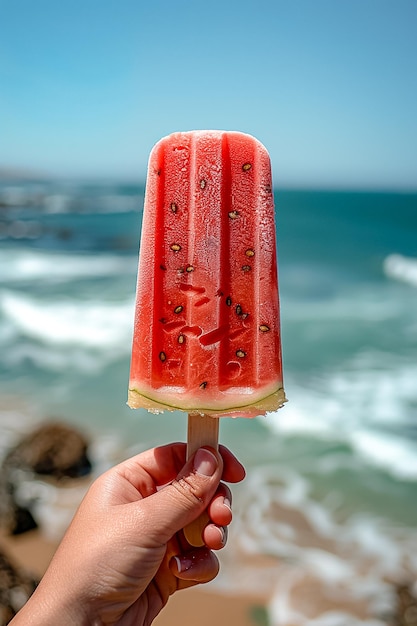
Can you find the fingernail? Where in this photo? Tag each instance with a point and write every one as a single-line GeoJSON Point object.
{"type": "Point", "coordinates": [222, 534]}
{"type": "Point", "coordinates": [205, 462]}
{"type": "Point", "coordinates": [227, 503]}
{"type": "Point", "coordinates": [183, 563]}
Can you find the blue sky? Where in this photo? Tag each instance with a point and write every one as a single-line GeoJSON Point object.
{"type": "Point", "coordinates": [329, 86]}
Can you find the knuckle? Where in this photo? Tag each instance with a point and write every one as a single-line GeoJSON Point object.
{"type": "Point", "coordinates": [187, 490]}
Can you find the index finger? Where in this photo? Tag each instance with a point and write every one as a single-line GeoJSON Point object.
{"type": "Point", "coordinates": [159, 466]}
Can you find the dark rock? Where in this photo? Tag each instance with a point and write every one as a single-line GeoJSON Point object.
{"type": "Point", "coordinates": [54, 450]}
{"type": "Point", "coordinates": [407, 606]}
{"type": "Point", "coordinates": [21, 520]}
{"type": "Point", "coordinates": [16, 587]}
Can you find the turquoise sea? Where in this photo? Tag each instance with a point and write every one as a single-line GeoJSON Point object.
{"type": "Point", "coordinates": [340, 458]}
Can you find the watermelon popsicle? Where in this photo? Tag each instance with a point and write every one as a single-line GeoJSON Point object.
{"type": "Point", "coordinates": [206, 333]}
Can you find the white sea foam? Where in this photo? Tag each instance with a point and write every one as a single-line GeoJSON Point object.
{"type": "Point", "coordinates": [56, 360]}
{"type": "Point", "coordinates": [396, 454]}
{"type": "Point", "coordinates": [105, 203]}
{"type": "Point", "coordinates": [326, 570]}
{"type": "Point", "coordinates": [367, 404]}
{"type": "Point", "coordinates": [90, 324]}
{"type": "Point", "coordinates": [401, 268]}
{"type": "Point", "coordinates": [19, 265]}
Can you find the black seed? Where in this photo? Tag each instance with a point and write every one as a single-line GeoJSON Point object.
{"type": "Point", "coordinates": [178, 309]}
{"type": "Point", "coordinates": [244, 316]}
{"type": "Point", "coordinates": [240, 354]}
{"type": "Point", "coordinates": [162, 356]}
{"type": "Point", "coordinates": [163, 320]}
{"type": "Point", "coordinates": [238, 309]}
{"type": "Point", "coordinates": [181, 338]}
{"type": "Point", "coordinates": [233, 214]}
{"type": "Point", "coordinates": [189, 268]}
{"type": "Point", "coordinates": [175, 247]}
{"type": "Point", "coordinates": [264, 328]}
{"type": "Point", "coordinates": [250, 253]}
{"type": "Point", "coordinates": [268, 188]}
{"type": "Point", "coordinates": [246, 268]}
{"type": "Point", "coordinates": [203, 385]}
{"type": "Point", "coordinates": [174, 207]}
{"type": "Point", "coordinates": [163, 267]}
{"type": "Point", "coordinates": [219, 293]}
{"type": "Point", "coordinates": [229, 301]}
{"type": "Point", "coordinates": [158, 172]}
{"type": "Point", "coordinates": [246, 167]}
{"type": "Point", "coordinates": [203, 183]}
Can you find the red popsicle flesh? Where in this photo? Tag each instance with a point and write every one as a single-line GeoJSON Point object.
{"type": "Point", "coordinates": [207, 331]}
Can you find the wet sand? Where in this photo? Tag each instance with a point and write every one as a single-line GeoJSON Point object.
{"type": "Point", "coordinates": [204, 607]}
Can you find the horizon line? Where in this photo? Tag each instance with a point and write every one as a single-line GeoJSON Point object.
{"type": "Point", "coordinates": [13, 175]}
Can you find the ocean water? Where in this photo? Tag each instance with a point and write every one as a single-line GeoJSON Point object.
{"type": "Point", "coordinates": [330, 502]}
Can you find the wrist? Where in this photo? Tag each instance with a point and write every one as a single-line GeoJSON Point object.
{"type": "Point", "coordinates": [49, 607]}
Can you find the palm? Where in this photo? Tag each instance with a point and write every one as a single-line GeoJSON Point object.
{"type": "Point", "coordinates": [138, 601]}
{"type": "Point", "coordinates": [116, 565]}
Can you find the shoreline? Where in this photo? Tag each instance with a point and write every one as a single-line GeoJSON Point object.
{"type": "Point", "coordinates": [288, 561]}
{"type": "Point", "coordinates": [282, 593]}
{"type": "Point", "coordinates": [32, 552]}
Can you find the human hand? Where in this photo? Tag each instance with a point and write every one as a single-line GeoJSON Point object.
{"type": "Point", "coordinates": [125, 553]}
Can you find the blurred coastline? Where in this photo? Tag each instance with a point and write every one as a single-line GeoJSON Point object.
{"type": "Point", "coordinates": [326, 522]}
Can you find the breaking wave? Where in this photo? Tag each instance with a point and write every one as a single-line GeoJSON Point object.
{"type": "Point", "coordinates": [92, 324]}
{"type": "Point", "coordinates": [317, 566]}
{"type": "Point", "coordinates": [401, 268]}
{"type": "Point", "coordinates": [28, 265]}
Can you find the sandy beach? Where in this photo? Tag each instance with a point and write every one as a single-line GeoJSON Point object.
{"type": "Point", "coordinates": [265, 592]}
{"type": "Point", "coordinates": [286, 562]}
{"type": "Point", "coordinates": [33, 552]}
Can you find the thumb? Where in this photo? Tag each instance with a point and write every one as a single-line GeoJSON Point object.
{"type": "Point", "coordinates": [185, 498]}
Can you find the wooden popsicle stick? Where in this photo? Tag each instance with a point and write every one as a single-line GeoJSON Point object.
{"type": "Point", "coordinates": [203, 430]}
